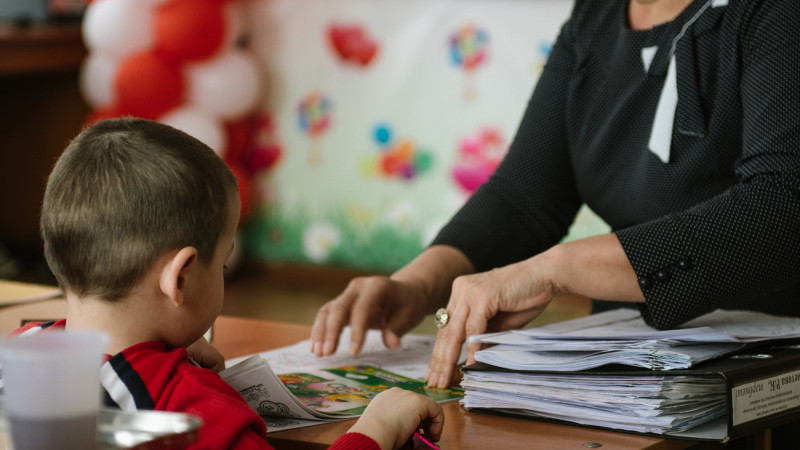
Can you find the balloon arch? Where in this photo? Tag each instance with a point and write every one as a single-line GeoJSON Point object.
{"type": "Point", "coordinates": [185, 63]}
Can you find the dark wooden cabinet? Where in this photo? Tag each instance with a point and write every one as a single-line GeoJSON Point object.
{"type": "Point", "coordinates": [41, 109]}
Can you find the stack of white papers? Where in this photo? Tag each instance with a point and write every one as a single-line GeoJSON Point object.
{"type": "Point", "coordinates": [621, 337]}
{"type": "Point", "coordinates": [525, 372]}
{"type": "Point", "coordinates": [640, 404]}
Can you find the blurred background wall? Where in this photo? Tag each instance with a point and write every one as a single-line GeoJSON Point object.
{"type": "Point", "coordinates": [356, 127]}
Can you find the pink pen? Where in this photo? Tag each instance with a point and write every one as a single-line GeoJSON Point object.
{"type": "Point", "coordinates": [422, 438]}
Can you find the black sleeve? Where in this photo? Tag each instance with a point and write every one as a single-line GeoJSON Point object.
{"type": "Point", "coordinates": [742, 247]}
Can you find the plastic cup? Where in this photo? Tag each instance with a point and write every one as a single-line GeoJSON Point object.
{"type": "Point", "coordinates": [51, 388]}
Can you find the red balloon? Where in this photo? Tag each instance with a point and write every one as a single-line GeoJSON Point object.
{"type": "Point", "coordinates": [239, 134]}
{"type": "Point", "coordinates": [262, 158]}
{"type": "Point", "coordinates": [246, 190]}
{"type": "Point", "coordinates": [190, 30]}
{"type": "Point", "coordinates": [148, 85]}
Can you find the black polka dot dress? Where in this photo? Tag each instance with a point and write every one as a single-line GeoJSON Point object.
{"type": "Point", "coordinates": [684, 138]}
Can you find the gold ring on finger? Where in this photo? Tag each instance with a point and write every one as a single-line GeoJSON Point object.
{"type": "Point", "coordinates": [441, 318]}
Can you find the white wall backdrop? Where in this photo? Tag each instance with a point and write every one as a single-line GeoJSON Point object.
{"type": "Point", "coordinates": [387, 115]}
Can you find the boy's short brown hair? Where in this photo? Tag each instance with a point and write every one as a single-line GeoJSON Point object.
{"type": "Point", "coordinates": [124, 192]}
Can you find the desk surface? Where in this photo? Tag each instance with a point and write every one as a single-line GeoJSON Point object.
{"type": "Point", "coordinates": [238, 337]}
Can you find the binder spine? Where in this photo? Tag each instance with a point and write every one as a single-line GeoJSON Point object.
{"type": "Point", "coordinates": [770, 400]}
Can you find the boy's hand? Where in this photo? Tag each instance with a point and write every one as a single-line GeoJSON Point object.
{"type": "Point", "coordinates": [206, 355]}
{"type": "Point", "coordinates": [393, 416]}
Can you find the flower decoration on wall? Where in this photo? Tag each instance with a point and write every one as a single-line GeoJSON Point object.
{"type": "Point", "coordinates": [478, 157]}
{"type": "Point", "coordinates": [399, 159]}
{"type": "Point", "coordinates": [314, 117]}
{"type": "Point", "coordinates": [320, 239]}
{"type": "Point", "coordinates": [185, 63]}
{"type": "Point", "coordinates": [469, 49]}
{"type": "Point", "coordinates": [352, 44]}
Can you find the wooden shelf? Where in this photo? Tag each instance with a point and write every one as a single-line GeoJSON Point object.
{"type": "Point", "coordinates": [40, 48]}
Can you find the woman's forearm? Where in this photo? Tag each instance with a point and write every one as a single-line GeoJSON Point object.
{"type": "Point", "coordinates": [594, 267]}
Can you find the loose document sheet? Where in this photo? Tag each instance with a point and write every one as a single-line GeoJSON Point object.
{"type": "Point", "coordinates": [620, 336]}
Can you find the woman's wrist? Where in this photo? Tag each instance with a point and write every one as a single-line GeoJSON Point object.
{"type": "Point", "coordinates": [432, 273]}
{"type": "Point", "coordinates": [554, 267]}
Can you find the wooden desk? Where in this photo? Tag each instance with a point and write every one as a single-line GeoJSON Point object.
{"type": "Point", "coordinates": [238, 337]}
{"type": "Point", "coordinates": [25, 301]}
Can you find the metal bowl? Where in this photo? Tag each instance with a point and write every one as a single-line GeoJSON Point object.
{"type": "Point", "coordinates": [145, 430]}
{"type": "Point", "coordinates": [140, 430]}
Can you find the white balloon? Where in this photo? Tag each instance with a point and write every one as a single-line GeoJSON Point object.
{"type": "Point", "coordinates": [227, 86]}
{"type": "Point", "coordinates": [118, 27]}
{"type": "Point", "coordinates": [97, 79]}
{"type": "Point", "coordinates": [198, 124]}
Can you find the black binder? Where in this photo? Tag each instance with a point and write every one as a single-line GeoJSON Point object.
{"type": "Point", "coordinates": [762, 388]}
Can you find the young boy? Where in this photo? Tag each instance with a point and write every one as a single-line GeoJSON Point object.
{"type": "Point", "coordinates": [138, 220]}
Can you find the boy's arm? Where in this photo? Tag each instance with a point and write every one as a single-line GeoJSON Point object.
{"type": "Point", "coordinates": [355, 441]}
{"type": "Point", "coordinates": [228, 421]}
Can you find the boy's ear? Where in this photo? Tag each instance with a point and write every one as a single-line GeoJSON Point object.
{"type": "Point", "coordinates": [175, 273]}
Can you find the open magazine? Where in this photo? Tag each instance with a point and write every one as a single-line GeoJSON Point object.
{"type": "Point", "coordinates": [305, 393]}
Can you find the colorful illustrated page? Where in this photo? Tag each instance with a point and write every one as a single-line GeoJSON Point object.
{"type": "Point", "coordinates": [347, 390]}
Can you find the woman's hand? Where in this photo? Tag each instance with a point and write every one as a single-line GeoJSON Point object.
{"type": "Point", "coordinates": [501, 299]}
{"type": "Point", "coordinates": [368, 302]}
{"type": "Point", "coordinates": [510, 297]}
{"type": "Point", "coordinates": [393, 304]}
